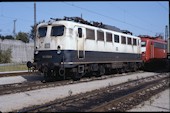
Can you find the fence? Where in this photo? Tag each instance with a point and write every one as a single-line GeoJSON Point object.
{"type": "Point", "coordinates": [21, 53]}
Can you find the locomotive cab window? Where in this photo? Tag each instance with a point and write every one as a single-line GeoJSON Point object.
{"type": "Point", "coordinates": [42, 31]}
{"type": "Point", "coordinates": [100, 35]}
{"type": "Point", "coordinates": [143, 44]}
{"type": "Point", "coordinates": [116, 38]}
{"type": "Point", "coordinates": [57, 30]}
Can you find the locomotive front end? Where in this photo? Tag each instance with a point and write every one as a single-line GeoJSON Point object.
{"type": "Point", "coordinates": [49, 55]}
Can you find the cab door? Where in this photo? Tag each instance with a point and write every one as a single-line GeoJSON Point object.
{"type": "Point", "coordinates": [80, 42]}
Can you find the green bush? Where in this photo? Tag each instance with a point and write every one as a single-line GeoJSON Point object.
{"type": "Point", "coordinates": [5, 56]}
{"type": "Point", "coordinates": [23, 37]}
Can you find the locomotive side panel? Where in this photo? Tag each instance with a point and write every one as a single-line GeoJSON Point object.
{"type": "Point", "coordinates": [159, 50]}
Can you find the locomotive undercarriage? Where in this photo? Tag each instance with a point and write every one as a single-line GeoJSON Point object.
{"type": "Point", "coordinates": [53, 72]}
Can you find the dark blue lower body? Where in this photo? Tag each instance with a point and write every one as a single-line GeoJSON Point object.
{"type": "Point", "coordinates": [69, 58]}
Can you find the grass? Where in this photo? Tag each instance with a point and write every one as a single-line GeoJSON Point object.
{"type": "Point", "coordinates": [14, 67]}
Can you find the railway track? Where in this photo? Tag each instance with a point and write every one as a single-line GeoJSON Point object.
{"type": "Point", "coordinates": [16, 73]}
{"type": "Point", "coordinates": [119, 97]}
{"type": "Point", "coordinates": [127, 102]}
{"type": "Point", "coordinates": [27, 86]}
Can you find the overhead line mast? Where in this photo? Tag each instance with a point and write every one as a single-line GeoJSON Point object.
{"type": "Point", "coordinates": [34, 26]}
{"type": "Point", "coordinates": [14, 30]}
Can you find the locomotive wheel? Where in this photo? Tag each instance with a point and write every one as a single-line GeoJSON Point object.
{"type": "Point", "coordinates": [55, 75]}
{"type": "Point", "coordinates": [77, 76]}
{"type": "Point", "coordinates": [108, 71]}
{"type": "Point", "coordinates": [101, 71]}
{"type": "Point", "coordinates": [126, 69]}
{"type": "Point", "coordinates": [135, 68]}
{"type": "Point", "coordinates": [49, 75]}
{"type": "Point", "coordinates": [121, 70]}
{"type": "Point", "coordinates": [45, 72]}
{"type": "Point", "coordinates": [78, 73]}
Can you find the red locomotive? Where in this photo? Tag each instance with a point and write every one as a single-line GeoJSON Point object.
{"type": "Point", "coordinates": [154, 51]}
{"type": "Point", "coordinates": [153, 48]}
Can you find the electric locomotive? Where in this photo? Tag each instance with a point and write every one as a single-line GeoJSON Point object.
{"type": "Point", "coordinates": [154, 52]}
{"type": "Point", "coordinates": [73, 47]}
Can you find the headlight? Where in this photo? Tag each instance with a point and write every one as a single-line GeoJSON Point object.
{"type": "Point", "coordinates": [58, 49]}
{"type": "Point", "coordinates": [36, 52]}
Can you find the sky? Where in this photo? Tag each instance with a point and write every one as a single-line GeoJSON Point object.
{"type": "Point", "coordinates": [139, 17]}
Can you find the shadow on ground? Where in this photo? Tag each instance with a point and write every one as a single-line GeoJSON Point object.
{"type": "Point", "coordinates": [34, 77]}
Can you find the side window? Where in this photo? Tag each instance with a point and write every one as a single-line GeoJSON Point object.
{"type": "Point", "coordinates": [100, 35]}
{"type": "Point", "coordinates": [134, 42]}
{"type": "Point", "coordinates": [159, 45]}
{"type": "Point", "coordinates": [90, 34]}
{"type": "Point", "coordinates": [116, 38]}
{"type": "Point", "coordinates": [108, 37]}
{"type": "Point", "coordinates": [129, 40]}
{"type": "Point", "coordinates": [123, 39]}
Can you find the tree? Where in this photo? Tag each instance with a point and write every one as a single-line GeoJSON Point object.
{"type": "Point", "coordinates": [7, 37]}
{"type": "Point", "coordinates": [32, 32]}
{"type": "Point", "coordinates": [31, 35]}
{"type": "Point", "coordinates": [2, 37]}
{"type": "Point", "coordinates": [23, 37]}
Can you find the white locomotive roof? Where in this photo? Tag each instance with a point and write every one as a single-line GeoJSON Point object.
{"type": "Point", "coordinates": [70, 24]}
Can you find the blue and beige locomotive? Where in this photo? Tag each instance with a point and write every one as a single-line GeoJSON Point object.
{"type": "Point", "coordinates": [73, 47]}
